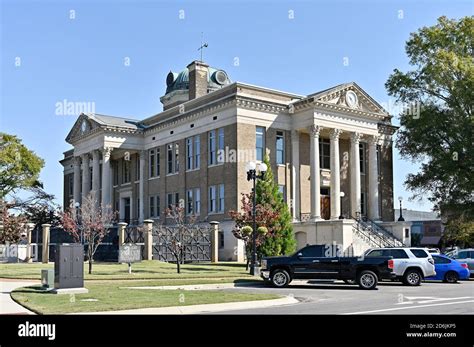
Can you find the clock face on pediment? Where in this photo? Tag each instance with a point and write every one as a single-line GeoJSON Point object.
{"type": "Point", "coordinates": [351, 99]}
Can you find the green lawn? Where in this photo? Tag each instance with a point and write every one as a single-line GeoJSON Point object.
{"type": "Point", "coordinates": [110, 296]}
{"type": "Point", "coordinates": [151, 269]}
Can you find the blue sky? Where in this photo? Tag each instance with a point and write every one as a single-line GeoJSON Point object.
{"type": "Point", "coordinates": [293, 46]}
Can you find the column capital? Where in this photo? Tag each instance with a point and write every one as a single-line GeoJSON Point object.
{"type": "Point", "coordinates": [373, 140]}
{"type": "Point", "coordinates": [355, 138]}
{"type": "Point", "coordinates": [85, 156]}
{"type": "Point", "coordinates": [314, 130]}
{"type": "Point", "coordinates": [77, 160]}
{"type": "Point", "coordinates": [95, 154]}
{"type": "Point", "coordinates": [106, 151]}
{"type": "Point", "coordinates": [335, 133]}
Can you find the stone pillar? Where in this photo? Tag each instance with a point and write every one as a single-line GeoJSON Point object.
{"type": "Point", "coordinates": [141, 187]}
{"type": "Point", "coordinates": [29, 229]}
{"type": "Point", "coordinates": [295, 175]}
{"type": "Point", "coordinates": [335, 175]}
{"type": "Point", "coordinates": [373, 180]}
{"type": "Point", "coordinates": [96, 174]}
{"type": "Point", "coordinates": [77, 180]}
{"type": "Point", "coordinates": [214, 242]}
{"type": "Point", "coordinates": [121, 233]}
{"type": "Point", "coordinates": [355, 175]}
{"type": "Point", "coordinates": [85, 176]}
{"type": "Point", "coordinates": [315, 173]}
{"type": "Point", "coordinates": [148, 237]}
{"type": "Point", "coordinates": [46, 229]}
{"type": "Point", "coordinates": [106, 178]}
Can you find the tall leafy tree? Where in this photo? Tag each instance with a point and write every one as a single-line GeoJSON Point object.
{"type": "Point", "coordinates": [438, 131]}
{"type": "Point", "coordinates": [281, 240]}
{"type": "Point", "coordinates": [19, 166]}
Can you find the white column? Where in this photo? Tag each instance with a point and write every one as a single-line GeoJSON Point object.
{"type": "Point", "coordinates": [77, 180]}
{"type": "Point", "coordinates": [295, 175]}
{"type": "Point", "coordinates": [315, 178]}
{"type": "Point", "coordinates": [373, 179]}
{"type": "Point", "coordinates": [86, 183]}
{"type": "Point", "coordinates": [335, 175]}
{"type": "Point", "coordinates": [96, 173]}
{"type": "Point", "coordinates": [355, 174]}
{"type": "Point", "coordinates": [106, 177]}
{"type": "Point", "coordinates": [141, 187]}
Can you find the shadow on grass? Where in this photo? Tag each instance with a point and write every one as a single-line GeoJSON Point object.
{"type": "Point", "coordinates": [32, 290]}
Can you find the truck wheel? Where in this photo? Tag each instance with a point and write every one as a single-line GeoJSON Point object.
{"type": "Point", "coordinates": [280, 278]}
{"type": "Point", "coordinates": [367, 279]}
{"type": "Point", "coordinates": [349, 281]}
{"type": "Point", "coordinates": [412, 278]}
{"type": "Point", "coordinates": [451, 277]}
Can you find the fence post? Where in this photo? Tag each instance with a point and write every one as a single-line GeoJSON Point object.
{"type": "Point", "coordinates": [214, 241]}
{"type": "Point", "coordinates": [148, 237]}
{"type": "Point", "coordinates": [45, 252]}
{"type": "Point", "coordinates": [121, 233]}
{"type": "Point", "coordinates": [29, 229]}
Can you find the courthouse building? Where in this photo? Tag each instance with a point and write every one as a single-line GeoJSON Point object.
{"type": "Point", "coordinates": [331, 154]}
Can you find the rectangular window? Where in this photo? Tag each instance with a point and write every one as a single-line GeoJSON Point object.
{"type": "Point", "coordinates": [158, 211]}
{"type": "Point", "coordinates": [197, 151]}
{"type": "Point", "coordinates": [169, 150]}
{"type": "Point", "coordinates": [189, 154]}
{"type": "Point", "coordinates": [152, 206]}
{"type": "Point", "coordinates": [363, 209]}
{"type": "Point", "coordinates": [212, 199]}
{"type": "Point", "coordinates": [212, 147]}
{"type": "Point", "coordinates": [221, 239]}
{"type": "Point", "coordinates": [220, 152]}
{"type": "Point", "coordinates": [324, 154]}
{"type": "Point", "coordinates": [138, 208]}
{"type": "Point", "coordinates": [221, 198]}
{"type": "Point", "coordinates": [176, 157]}
{"type": "Point", "coordinates": [189, 201]}
{"type": "Point", "coordinates": [158, 162]}
{"type": "Point", "coordinates": [282, 190]}
{"type": "Point", "coordinates": [170, 200]}
{"type": "Point", "coordinates": [280, 148]}
{"type": "Point", "coordinates": [362, 157]}
{"type": "Point", "coordinates": [137, 168]}
{"type": "Point", "coordinates": [260, 143]}
{"type": "Point", "coordinates": [71, 185]}
{"type": "Point", "coordinates": [197, 201]}
{"type": "Point", "coordinates": [151, 163]}
{"type": "Point", "coordinates": [125, 171]}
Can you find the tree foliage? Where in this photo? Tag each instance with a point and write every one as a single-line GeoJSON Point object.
{"type": "Point", "coordinates": [440, 135]}
{"type": "Point", "coordinates": [19, 166]}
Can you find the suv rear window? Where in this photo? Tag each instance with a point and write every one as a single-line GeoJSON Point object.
{"type": "Point", "coordinates": [419, 253]}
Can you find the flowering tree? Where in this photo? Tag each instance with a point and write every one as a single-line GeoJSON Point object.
{"type": "Point", "coordinates": [244, 221]}
{"type": "Point", "coordinates": [181, 232]}
{"type": "Point", "coordinates": [92, 220]}
{"type": "Point", "coordinates": [12, 226]}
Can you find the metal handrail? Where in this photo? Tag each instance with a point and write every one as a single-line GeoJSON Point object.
{"type": "Point", "coordinates": [382, 235]}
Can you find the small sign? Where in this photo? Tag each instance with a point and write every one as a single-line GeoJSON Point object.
{"type": "Point", "coordinates": [130, 253]}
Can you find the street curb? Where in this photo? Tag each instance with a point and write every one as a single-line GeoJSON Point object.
{"type": "Point", "coordinates": [210, 286]}
{"type": "Point", "coordinates": [202, 309]}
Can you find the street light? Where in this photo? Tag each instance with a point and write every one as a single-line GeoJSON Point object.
{"type": "Point", "coordinates": [401, 219]}
{"type": "Point", "coordinates": [341, 194]}
{"type": "Point", "coordinates": [252, 175]}
{"type": "Point", "coordinates": [77, 205]}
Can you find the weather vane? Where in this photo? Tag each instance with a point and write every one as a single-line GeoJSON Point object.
{"type": "Point", "coordinates": [203, 45]}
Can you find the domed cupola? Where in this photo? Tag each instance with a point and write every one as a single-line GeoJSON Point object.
{"type": "Point", "coordinates": [196, 80]}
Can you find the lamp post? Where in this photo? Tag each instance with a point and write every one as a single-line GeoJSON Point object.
{"type": "Point", "coordinates": [252, 175]}
{"type": "Point", "coordinates": [401, 219]}
{"type": "Point", "coordinates": [341, 194]}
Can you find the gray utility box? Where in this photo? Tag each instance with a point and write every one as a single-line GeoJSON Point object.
{"type": "Point", "coordinates": [69, 266]}
{"type": "Point", "coordinates": [47, 278]}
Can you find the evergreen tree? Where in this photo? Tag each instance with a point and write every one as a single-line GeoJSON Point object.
{"type": "Point", "coordinates": [280, 240]}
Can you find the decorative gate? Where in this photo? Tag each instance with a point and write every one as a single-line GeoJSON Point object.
{"type": "Point", "coordinates": [196, 242]}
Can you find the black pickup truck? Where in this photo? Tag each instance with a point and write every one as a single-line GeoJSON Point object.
{"type": "Point", "coordinates": [310, 262]}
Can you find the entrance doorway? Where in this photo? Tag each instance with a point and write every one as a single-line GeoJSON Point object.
{"type": "Point", "coordinates": [126, 210]}
{"type": "Point", "coordinates": [325, 204]}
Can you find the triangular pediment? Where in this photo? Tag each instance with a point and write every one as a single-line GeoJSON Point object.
{"type": "Point", "coordinates": [82, 127]}
{"type": "Point", "coordinates": [349, 95]}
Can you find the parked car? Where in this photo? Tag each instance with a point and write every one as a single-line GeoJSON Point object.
{"type": "Point", "coordinates": [434, 250]}
{"type": "Point", "coordinates": [310, 262]}
{"type": "Point", "coordinates": [449, 270]}
{"type": "Point", "coordinates": [411, 264]}
{"type": "Point", "coordinates": [465, 256]}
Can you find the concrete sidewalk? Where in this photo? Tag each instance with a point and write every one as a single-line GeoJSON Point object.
{"type": "Point", "coordinates": [209, 286]}
{"type": "Point", "coordinates": [7, 305]}
{"type": "Point", "coordinates": [208, 308]}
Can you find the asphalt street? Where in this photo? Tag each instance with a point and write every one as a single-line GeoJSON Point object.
{"type": "Point", "coordinates": [389, 298]}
